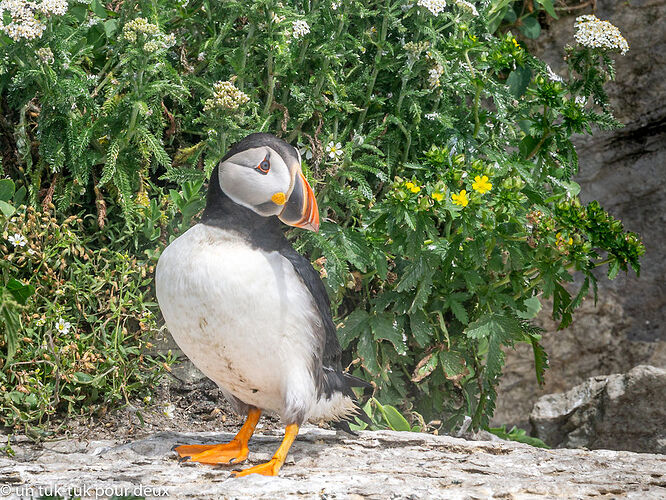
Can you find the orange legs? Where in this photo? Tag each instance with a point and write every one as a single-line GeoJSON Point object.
{"type": "Point", "coordinates": [233, 452]}
{"type": "Point", "coordinates": [272, 467]}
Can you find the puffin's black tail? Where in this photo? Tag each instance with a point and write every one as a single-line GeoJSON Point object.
{"type": "Point", "coordinates": [335, 381]}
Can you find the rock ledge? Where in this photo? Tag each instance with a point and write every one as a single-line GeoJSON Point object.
{"type": "Point", "coordinates": [323, 464]}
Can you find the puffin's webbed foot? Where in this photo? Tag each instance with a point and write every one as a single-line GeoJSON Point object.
{"type": "Point", "coordinates": [272, 467]}
{"type": "Point", "coordinates": [216, 454]}
{"type": "Point", "coordinates": [213, 454]}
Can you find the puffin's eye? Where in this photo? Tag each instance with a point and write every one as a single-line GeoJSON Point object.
{"type": "Point", "coordinates": [264, 166]}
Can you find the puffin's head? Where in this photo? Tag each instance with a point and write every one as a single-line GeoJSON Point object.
{"type": "Point", "coordinates": [263, 173]}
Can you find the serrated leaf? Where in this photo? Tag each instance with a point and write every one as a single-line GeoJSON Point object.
{"type": "Point", "coordinates": [412, 275]}
{"type": "Point", "coordinates": [533, 305]}
{"type": "Point", "coordinates": [540, 360]}
{"type": "Point", "coordinates": [453, 365]}
{"type": "Point", "coordinates": [367, 350]}
{"type": "Point", "coordinates": [384, 327]}
{"type": "Point", "coordinates": [458, 310]}
{"type": "Point", "coordinates": [504, 327]}
{"type": "Point", "coordinates": [421, 328]}
{"type": "Point", "coordinates": [353, 326]}
{"type": "Point", "coordinates": [425, 367]}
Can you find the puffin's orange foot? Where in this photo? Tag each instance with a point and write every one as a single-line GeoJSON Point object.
{"type": "Point", "coordinates": [213, 454]}
{"type": "Point", "coordinates": [270, 468]}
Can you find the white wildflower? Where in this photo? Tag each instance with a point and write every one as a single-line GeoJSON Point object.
{"type": "Point", "coordinates": [434, 6]}
{"type": "Point", "coordinates": [41, 322]}
{"type": "Point", "coordinates": [226, 95]}
{"type": "Point", "coordinates": [151, 46]}
{"type": "Point", "coordinates": [18, 240]}
{"type": "Point", "coordinates": [31, 251]}
{"type": "Point", "coordinates": [63, 326]}
{"type": "Point", "coordinates": [552, 75]}
{"type": "Point", "coordinates": [169, 410]}
{"type": "Point", "coordinates": [434, 73]}
{"type": "Point", "coordinates": [581, 100]}
{"type": "Point", "coordinates": [431, 116]}
{"type": "Point", "coordinates": [138, 26]}
{"type": "Point", "coordinates": [334, 149]}
{"type": "Point", "coordinates": [276, 19]}
{"type": "Point", "coordinates": [335, 5]}
{"type": "Point", "coordinates": [201, 56]}
{"type": "Point", "coordinates": [466, 6]}
{"type": "Point", "coordinates": [305, 150]}
{"type": "Point", "coordinates": [168, 40]}
{"type": "Point", "coordinates": [57, 7]}
{"type": "Point", "coordinates": [45, 54]}
{"type": "Point", "coordinates": [300, 29]}
{"type": "Point", "coordinates": [597, 34]}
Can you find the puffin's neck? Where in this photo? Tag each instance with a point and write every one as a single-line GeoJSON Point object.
{"type": "Point", "coordinates": [221, 211]}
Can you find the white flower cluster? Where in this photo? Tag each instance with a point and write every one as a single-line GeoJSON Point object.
{"type": "Point", "coordinates": [154, 40]}
{"type": "Point", "coordinates": [467, 7]}
{"type": "Point", "coordinates": [597, 34]}
{"type": "Point", "coordinates": [300, 28]}
{"type": "Point", "coordinates": [434, 6]}
{"type": "Point", "coordinates": [431, 116]}
{"type": "Point", "coordinates": [414, 50]}
{"type": "Point", "coordinates": [552, 75]}
{"type": "Point", "coordinates": [226, 96]}
{"type": "Point", "coordinates": [139, 25]}
{"type": "Point", "coordinates": [45, 54]}
{"type": "Point", "coordinates": [434, 73]}
{"type": "Point", "coordinates": [25, 23]}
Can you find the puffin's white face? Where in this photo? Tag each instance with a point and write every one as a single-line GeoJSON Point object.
{"type": "Point", "coordinates": [260, 179]}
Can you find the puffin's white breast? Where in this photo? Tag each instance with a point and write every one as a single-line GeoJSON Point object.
{"type": "Point", "coordinates": [242, 315]}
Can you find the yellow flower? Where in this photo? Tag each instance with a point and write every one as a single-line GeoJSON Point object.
{"type": "Point", "coordinates": [412, 187]}
{"type": "Point", "coordinates": [515, 42]}
{"type": "Point", "coordinates": [481, 184]}
{"type": "Point", "coordinates": [437, 196]}
{"type": "Point", "coordinates": [560, 239]}
{"type": "Point", "coordinates": [460, 198]}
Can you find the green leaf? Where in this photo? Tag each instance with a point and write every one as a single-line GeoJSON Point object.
{"type": "Point", "coordinates": [412, 275]}
{"type": "Point", "coordinates": [83, 377]}
{"type": "Point", "coordinates": [518, 81]}
{"type": "Point", "coordinates": [425, 367]}
{"type": "Point", "coordinates": [367, 350]}
{"type": "Point", "coordinates": [548, 7]}
{"type": "Point", "coordinates": [458, 309]}
{"type": "Point", "coordinates": [453, 364]}
{"type": "Point", "coordinates": [505, 327]}
{"type": "Point", "coordinates": [7, 209]}
{"type": "Point", "coordinates": [6, 189]}
{"type": "Point", "coordinates": [12, 327]}
{"type": "Point", "coordinates": [421, 328]}
{"type": "Point", "coordinates": [533, 305]}
{"type": "Point", "coordinates": [110, 27]}
{"type": "Point", "coordinates": [518, 435]}
{"type": "Point", "coordinates": [384, 327]}
{"type": "Point", "coordinates": [353, 326]}
{"type": "Point", "coordinates": [395, 419]}
{"type": "Point", "coordinates": [530, 27]}
{"type": "Point", "coordinates": [19, 291]}
{"type": "Point", "coordinates": [540, 360]}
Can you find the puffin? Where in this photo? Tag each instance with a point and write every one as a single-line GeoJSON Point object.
{"type": "Point", "coordinates": [249, 310]}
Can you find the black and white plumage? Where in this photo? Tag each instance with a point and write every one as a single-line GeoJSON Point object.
{"type": "Point", "coordinates": [249, 311]}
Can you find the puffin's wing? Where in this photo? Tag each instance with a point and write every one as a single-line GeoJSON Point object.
{"type": "Point", "coordinates": [332, 352]}
{"type": "Point", "coordinates": [311, 279]}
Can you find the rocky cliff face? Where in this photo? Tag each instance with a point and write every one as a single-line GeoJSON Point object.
{"type": "Point", "coordinates": [625, 170]}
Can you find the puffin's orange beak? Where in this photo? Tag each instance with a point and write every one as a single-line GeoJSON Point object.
{"type": "Point", "coordinates": [301, 209]}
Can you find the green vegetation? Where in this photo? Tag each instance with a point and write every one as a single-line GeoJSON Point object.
{"type": "Point", "coordinates": [438, 147]}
